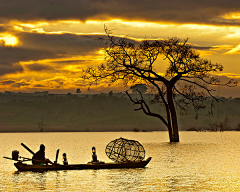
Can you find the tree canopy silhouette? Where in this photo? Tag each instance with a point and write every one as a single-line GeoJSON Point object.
{"type": "Point", "coordinates": [188, 79]}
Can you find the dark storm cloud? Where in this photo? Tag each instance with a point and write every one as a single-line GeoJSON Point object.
{"type": "Point", "coordinates": [11, 56]}
{"type": "Point", "coordinates": [19, 84]}
{"type": "Point", "coordinates": [36, 46]}
{"type": "Point", "coordinates": [38, 67]}
{"type": "Point", "coordinates": [7, 66]}
{"type": "Point", "coordinates": [61, 44]}
{"type": "Point", "coordinates": [3, 28]}
{"type": "Point", "coordinates": [190, 11]}
{"type": "Point", "coordinates": [201, 48]}
{"type": "Point", "coordinates": [72, 62]}
{"type": "Point", "coordinates": [39, 46]}
{"type": "Point", "coordinates": [14, 83]}
{"type": "Point", "coordinates": [40, 85]}
{"type": "Point", "coordinates": [7, 82]}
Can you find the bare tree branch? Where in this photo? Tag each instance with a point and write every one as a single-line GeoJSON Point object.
{"type": "Point", "coordinates": [186, 80]}
{"type": "Point", "coordinates": [144, 107]}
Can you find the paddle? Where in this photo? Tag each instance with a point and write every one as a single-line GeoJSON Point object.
{"type": "Point", "coordinates": [24, 159]}
{"type": "Point", "coordinates": [27, 148]}
{"type": "Point", "coordinates": [55, 162]}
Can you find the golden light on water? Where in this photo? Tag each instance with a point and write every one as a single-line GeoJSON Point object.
{"type": "Point", "coordinates": [202, 161]}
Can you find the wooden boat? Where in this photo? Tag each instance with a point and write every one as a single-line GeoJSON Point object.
{"type": "Point", "coordinates": [92, 165]}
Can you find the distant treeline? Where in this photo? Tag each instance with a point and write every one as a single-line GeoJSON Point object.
{"type": "Point", "coordinates": [100, 112]}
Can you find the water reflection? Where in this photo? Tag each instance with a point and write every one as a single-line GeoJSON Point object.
{"type": "Point", "coordinates": [57, 180]}
{"type": "Point", "coordinates": [125, 179]}
{"type": "Point", "coordinates": [200, 162]}
{"type": "Point", "coordinates": [41, 181]}
{"type": "Point", "coordinates": [29, 180]}
{"type": "Point", "coordinates": [94, 178]}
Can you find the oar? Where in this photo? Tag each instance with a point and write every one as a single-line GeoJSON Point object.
{"type": "Point", "coordinates": [27, 148]}
{"type": "Point", "coordinates": [24, 159]}
{"type": "Point", "coordinates": [10, 158]}
{"type": "Point", "coordinates": [56, 157]}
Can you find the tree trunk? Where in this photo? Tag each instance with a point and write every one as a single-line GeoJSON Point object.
{"type": "Point", "coordinates": [174, 137]}
{"type": "Point", "coordinates": [170, 132]}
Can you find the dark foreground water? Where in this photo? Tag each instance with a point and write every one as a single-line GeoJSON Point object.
{"type": "Point", "coordinates": [200, 162]}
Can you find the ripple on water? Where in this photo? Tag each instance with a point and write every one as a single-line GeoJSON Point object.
{"type": "Point", "coordinates": [200, 162]}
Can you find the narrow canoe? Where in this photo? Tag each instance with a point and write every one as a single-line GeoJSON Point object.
{"type": "Point", "coordinates": [101, 165]}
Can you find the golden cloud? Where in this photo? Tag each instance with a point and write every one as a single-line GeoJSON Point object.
{"type": "Point", "coordinates": [62, 39]}
{"type": "Point", "coordinates": [230, 75]}
{"type": "Point", "coordinates": [231, 15]}
{"type": "Point", "coordinates": [235, 50]}
{"type": "Point", "coordinates": [221, 47]}
{"type": "Point", "coordinates": [8, 39]}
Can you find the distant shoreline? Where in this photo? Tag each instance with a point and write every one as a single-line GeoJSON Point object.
{"type": "Point", "coordinates": [84, 128]}
{"type": "Point", "coordinates": [108, 131]}
{"type": "Point", "coordinates": [75, 131]}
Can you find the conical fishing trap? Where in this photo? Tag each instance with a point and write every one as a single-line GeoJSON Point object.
{"type": "Point", "coordinates": [123, 150]}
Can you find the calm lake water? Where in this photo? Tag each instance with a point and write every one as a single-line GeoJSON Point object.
{"type": "Point", "coordinates": [202, 161]}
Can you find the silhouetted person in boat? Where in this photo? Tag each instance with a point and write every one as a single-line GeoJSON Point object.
{"type": "Point", "coordinates": [39, 157]}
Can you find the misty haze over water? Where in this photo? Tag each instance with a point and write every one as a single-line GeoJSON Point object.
{"type": "Point", "coordinates": [100, 112]}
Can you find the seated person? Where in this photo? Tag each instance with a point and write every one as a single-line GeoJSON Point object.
{"type": "Point", "coordinates": [39, 157]}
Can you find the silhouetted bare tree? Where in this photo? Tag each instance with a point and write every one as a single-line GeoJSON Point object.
{"type": "Point", "coordinates": [41, 126]}
{"type": "Point", "coordinates": [185, 82]}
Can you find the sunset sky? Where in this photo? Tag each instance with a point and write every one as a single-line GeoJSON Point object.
{"type": "Point", "coordinates": [45, 44]}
